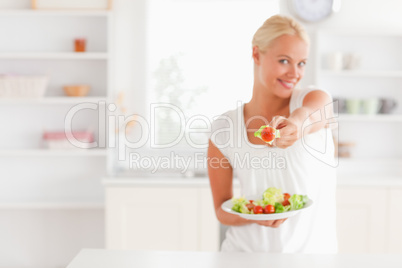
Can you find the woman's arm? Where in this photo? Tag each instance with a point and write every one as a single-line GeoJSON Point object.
{"type": "Point", "coordinates": [220, 176]}
{"type": "Point", "coordinates": [309, 118]}
{"type": "Point", "coordinates": [314, 113]}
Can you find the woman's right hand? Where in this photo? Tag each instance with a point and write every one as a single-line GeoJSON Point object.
{"type": "Point", "coordinates": [289, 130]}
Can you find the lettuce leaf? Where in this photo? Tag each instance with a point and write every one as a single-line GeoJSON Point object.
{"type": "Point", "coordinates": [279, 208]}
{"type": "Point", "coordinates": [297, 201]}
{"type": "Point", "coordinates": [239, 205]}
{"type": "Point", "coordinates": [272, 195]}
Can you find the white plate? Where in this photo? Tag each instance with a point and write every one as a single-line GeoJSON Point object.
{"type": "Point", "coordinates": [227, 206]}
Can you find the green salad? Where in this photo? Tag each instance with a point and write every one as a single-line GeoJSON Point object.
{"type": "Point", "coordinates": [272, 201]}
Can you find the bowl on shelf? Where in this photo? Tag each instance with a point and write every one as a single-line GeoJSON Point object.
{"type": "Point", "coordinates": [76, 90]}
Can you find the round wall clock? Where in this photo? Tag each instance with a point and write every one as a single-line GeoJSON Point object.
{"type": "Point", "coordinates": [313, 10]}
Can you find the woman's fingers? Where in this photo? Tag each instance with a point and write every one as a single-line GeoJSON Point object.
{"type": "Point", "coordinates": [278, 223]}
{"type": "Point", "coordinates": [288, 132]}
{"type": "Point", "coordinates": [278, 122]}
{"type": "Point", "coordinates": [289, 129]}
{"type": "Point", "coordinates": [284, 141]}
{"type": "Point", "coordinates": [268, 223]}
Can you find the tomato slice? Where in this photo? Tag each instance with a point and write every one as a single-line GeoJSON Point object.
{"type": "Point", "coordinates": [286, 196]}
{"type": "Point", "coordinates": [285, 203]}
{"type": "Point", "coordinates": [250, 206]}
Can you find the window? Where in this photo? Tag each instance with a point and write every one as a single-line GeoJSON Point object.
{"type": "Point", "coordinates": [198, 65]}
{"type": "Point", "coordinates": [199, 60]}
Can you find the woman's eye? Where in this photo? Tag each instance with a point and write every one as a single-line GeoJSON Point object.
{"type": "Point", "coordinates": [303, 63]}
{"type": "Point", "coordinates": [284, 61]}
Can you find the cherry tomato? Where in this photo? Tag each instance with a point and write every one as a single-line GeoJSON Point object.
{"type": "Point", "coordinates": [269, 209]}
{"type": "Point", "coordinates": [286, 196]}
{"type": "Point", "coordinates": [258, 210]}
{"type": "Point", "coordinates": [268, 134]}
{"type": "Point", "coordinates": [285, 203]}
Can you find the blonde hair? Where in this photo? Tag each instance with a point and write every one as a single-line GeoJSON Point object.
{"type": "Point", "coordinates": [275, 27]}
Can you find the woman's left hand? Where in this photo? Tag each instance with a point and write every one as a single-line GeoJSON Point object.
{"type": "Point", "coordinates": [289, 131]}
{"type": "Point", "coordinates": [271, 223]}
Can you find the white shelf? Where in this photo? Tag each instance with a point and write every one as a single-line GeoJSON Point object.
{"type": "Point", "coordinates": [55, 55]}
{"type": "Point", "coordinates": [370, 118]}
{"type": "Point", "coordinates": [371, 160]}
{"type": "Point", "coordinates": [31, 12]}
{"type": "Point", "coordinates": [361, 73]}
{"type": "Point", "coordinates": [369, 181]}
{"type": "Point", "coordinates": [52, 100]}
{"type": "Point", "coordinates": [26, 53]}
{"type": "Point", "coordinates": [370, 170]}
{"type": "Point", "coordinates": [360, 32]}
{"type": "Point", "coordinates": [49, 205]}
{"type": "Point", "coordinates": [46, 152]}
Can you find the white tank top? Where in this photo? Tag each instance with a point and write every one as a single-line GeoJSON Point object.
{"type": "Point", "coordinates": [306, 167]}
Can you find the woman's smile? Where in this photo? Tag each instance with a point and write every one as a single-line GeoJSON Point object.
{"type": "Point", "coordinates": [287, 84]}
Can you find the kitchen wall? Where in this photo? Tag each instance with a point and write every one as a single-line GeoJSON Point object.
{"type": "Point", "coordinates": [130, 47]}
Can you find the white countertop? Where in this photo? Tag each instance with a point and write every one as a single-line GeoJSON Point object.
{"type": "Point", "coordinates": [100, 258]}
{"type": "Point", "coordinates": [157, 181]}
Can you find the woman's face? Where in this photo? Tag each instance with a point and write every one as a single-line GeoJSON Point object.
{"type": "Point", "coordinates": [281, 66]}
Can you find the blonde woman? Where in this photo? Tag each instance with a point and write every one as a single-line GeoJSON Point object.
{"type": "Point", "coordinates": [280, 53]}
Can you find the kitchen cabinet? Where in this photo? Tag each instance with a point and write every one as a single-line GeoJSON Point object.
{"type": "Point", "coordinates": [394, 230]}
{"type": "Point", "coordinates": [41, 42]}
{"type": "Point", "coordinates": [361, 220]}
{"type": "Point", "coordinates": [161, 218]}
{"type": "Point", "coordinates": [374, 72]}
{"type": "Point", "coordinates": [368, 216]}
{"type": "Point", "coordinates": [368, 219]}
{"type": "Point", "coordinates": [46, 192]}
